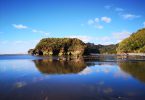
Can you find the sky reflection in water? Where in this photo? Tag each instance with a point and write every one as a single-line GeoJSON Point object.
{"type": "Point", "coordinates": [71, 80]}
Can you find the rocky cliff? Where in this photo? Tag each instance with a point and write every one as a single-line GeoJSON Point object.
{"type": "Point", "coordinates": [59, 46]}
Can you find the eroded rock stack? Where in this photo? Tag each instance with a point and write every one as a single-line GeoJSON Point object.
{"type": "Point", "coordinates": [59, 46]}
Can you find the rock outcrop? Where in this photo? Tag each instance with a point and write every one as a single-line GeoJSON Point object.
{"type": "Point", "coordinates": [59, 47]}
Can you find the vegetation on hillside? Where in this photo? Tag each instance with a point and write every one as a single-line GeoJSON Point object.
{"type": "Point", "coordinates": [108, 49]}
{"type": "Point", "coordinates": [101, 49]}
{"type": "Point", "coordinates": [133, 44]}
{"type": "Point", "coordinates": [59, 46]}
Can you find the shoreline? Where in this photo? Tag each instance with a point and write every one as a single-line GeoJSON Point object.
{"type": "Point", "coordinates": [101, 57]}
{"type": "Point", "coordinates": [124, 54]}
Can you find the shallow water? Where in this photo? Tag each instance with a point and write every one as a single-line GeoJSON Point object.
{"type": "Point", "coordinates": [24, 77]}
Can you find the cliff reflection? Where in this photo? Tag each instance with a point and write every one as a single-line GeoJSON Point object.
{"type": "Point", "coordinates": [60, 67]}
{"type": "Point", "coordinates": [136, 69]}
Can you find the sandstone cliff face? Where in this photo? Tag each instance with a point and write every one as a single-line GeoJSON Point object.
{"type": "Point", "coordinates": [59, 47]}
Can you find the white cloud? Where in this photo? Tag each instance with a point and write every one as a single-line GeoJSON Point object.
{"type": "Point", "coordinates": [130, 16]}
{"type": "Point", "coordinates": [119, 9]}
{"type": "Point", "coordinates": [119, 36]}
{"type": "Point", "coordinates": [34, 30]}
{"type": "Point", "coordinates": [144, 24]}
{"type": "Point", "coordinates": [97, 40]}
{"type": "Point", "coordinates": [90, 21]}
{"type": "Point", "coordinates": [19, 26]}
{"type": "Point", "coordinates": [96, 22]}
{"type": "Point", "coordinates": [106, 19]}
{"type": "Point", "coordinates": [46, 33]}
{"type": "Point", "coordinates": [107, 6]}
{"type": "Point", "coordinates": [39, 31]}
{"type": "Point", "coordinates": [81, 37]}
{"type": "Point", "coordinates": [115, 37]}
{"type": "Point", "coordinates": [99, 26]}
{"type": "Point", "coordinates": [96, 19]}
{"type": "Point", "coordinates": [103, 40]}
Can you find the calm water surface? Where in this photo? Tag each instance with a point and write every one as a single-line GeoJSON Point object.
{"type": "Point", "coordinates": [24, 77]}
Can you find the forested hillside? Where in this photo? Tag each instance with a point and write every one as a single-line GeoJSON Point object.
{"type": "Point", "coordinates": [133, 44]}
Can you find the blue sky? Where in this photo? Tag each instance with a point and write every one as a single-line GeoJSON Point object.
{"type": "Point", "coordinates": [24, 22]}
